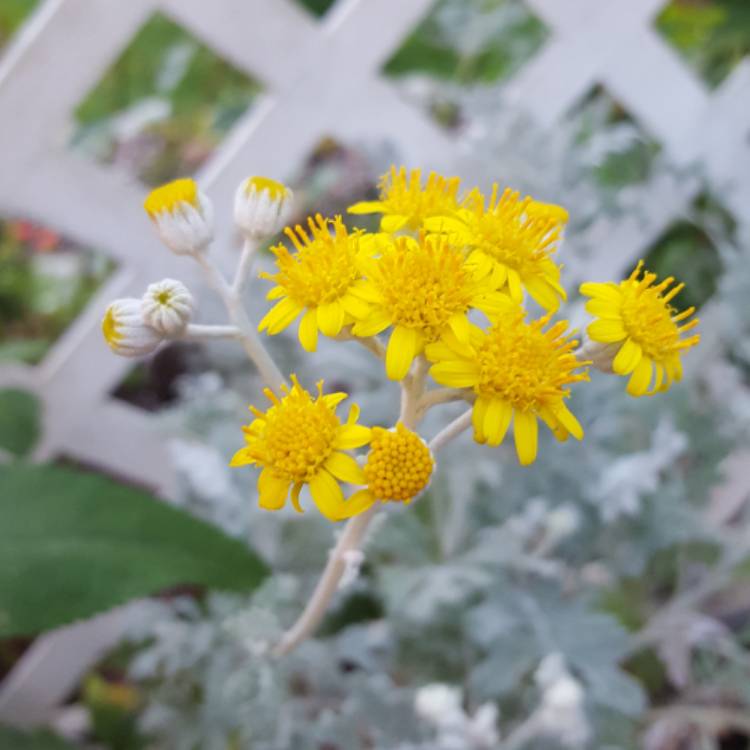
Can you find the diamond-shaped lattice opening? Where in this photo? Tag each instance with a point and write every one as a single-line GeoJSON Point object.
{"type": "Point", "coordinates": [12, 14]}
{"type": "Point", "coordinates": [45, 282]}
{"type": "Point", "coordinates": [317, 7]}
{"type": "Point", "coordinates": [688, 251]}
{"type": "Point", "coordinates": [164, 105]}
{"type": "Point", "coordinates": [152, 384]}
{"type": "Point", "coordinates": [613, 146]}
{"type": "Point", "coordinates": [333, 177]}
{"type": "Point", "coordinates": [461, 43]}
{"type": "Point", "coordinates": [712, 35]}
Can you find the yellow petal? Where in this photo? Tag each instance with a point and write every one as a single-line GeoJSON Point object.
{"type": "Point", "coordinates": [455, 373]}
{"type": "Point", "coordinates": [499, 275]}
{"type": "Point", "coordinates": [352, 436]}
{"type": "Point", "coordinates": [403, 346]}
{"type": "Point", "coordinates": [627, 358]}
{"type": "Point", "coordinates": [603, 308]}
{"type": "Point", "coordinates": [354, 306]}
{"type": "Point", "coordinates": [358, 503]}
{"type": "Point", "coordinates": [460, 326]}
{"type": "Point", "coordinates": [609, 291]}
{"type": "Point", "coordinates": [514, 286]}
{"type": "Point", "coordinates": [272, 490]}
{"type": "Point", "coordinates": [295, 497]}
{"type": "Point", "coordinates": [477, 419]}
{"type": "Point", "coordinates": [525, 430]}
{"type": "Point", "coordinates": [280, 316]}
{"type": "Point", "coordinates": [374, 324]}
{"type": "Point", "coordinates": [393, 223]}
{"type": "Point", "coordinates": [568, 420]}
{"type": "Point", "coordinates": [308, 331]}
{"type": "Point", "coordinates": [641, 378]}
{"type": "Point", "coordinates": [607, 331]}
{"type": "Point", "coordinates": [327, 494]}
{"type": "Point", "coordinates": [345, 468]}
{"type": "Point", "coordinates": [542, 293]}
{"type": "Point", "coordinates": [331, 318]}
{"type": "Point", "coordinates": [241, 458]}
{"type": "Point", "coordinates": [496, 421]}
{"type": "Point", "coordinates": [366, 207]}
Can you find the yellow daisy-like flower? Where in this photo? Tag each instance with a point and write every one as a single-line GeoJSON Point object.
{"type": "Point", "coordinates": [321, 281]}
{"type": "Point", "coordinates": [399, 468]}
{"type": "Point", "coordinates": [405, 204]}
{"type": "Point", "coordinates": [518, 372]}
{"type": "Point", "coordinates": [636, 318]}
{"type": "Point", "coordinates": [512, 240]}
{"type": "Point", "coordinates": [300, 440]}
{"type": "Point", "coordinates": [423, 288]}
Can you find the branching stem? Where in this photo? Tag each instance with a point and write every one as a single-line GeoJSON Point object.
{"type": "Point", "coordinates": [248, 336]}
{"type": "Point", "coordinates": [352, 536]}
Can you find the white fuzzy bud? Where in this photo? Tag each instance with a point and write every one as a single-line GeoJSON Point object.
{"type": "Point", "coordinates": [167, 306]}
{"type": "Point", "coordinates": [261, 207]}
{"type": "Point", "coordinates": [183, 216]}
{"type": "Point", "coordinates": [125, 331]}
{"type": "Point", "coordinates": [601, 355]}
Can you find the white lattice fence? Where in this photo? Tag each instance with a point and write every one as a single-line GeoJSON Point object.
{"type": "Point", "coordinates": [322, 79]}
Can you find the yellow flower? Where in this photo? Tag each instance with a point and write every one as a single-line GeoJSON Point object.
{"type": "Point", "coordinates": [398, 469]}
{"type": "Point", "coordinates": [636, 319]}
{"type": "Point", "coordinates": [518, 371]}
{"type": "Point", "coordinates": [512, 240]}
{"type": "Point", "coordinates": [261, 206]}
{"type": "Point", "coordinates": [405, 204]}
{"type": "Point", "coordinates": [321, 279]}
{"type": "Point", "coordinates": [300, 440]}
{"type": "Point", "coordinates": [183, 216]}
{"type": "Point", "coordinates": [423, 288]}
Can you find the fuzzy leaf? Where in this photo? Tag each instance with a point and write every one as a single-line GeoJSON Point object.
{"type": "Point", "coordinates": [74, 544]}
{"type": "Point", "coordinates": [10, 738]}
{"type": "Point", "coordinates": [19, 421]}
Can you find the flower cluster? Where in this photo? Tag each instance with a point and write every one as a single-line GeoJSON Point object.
{"type": "Point", "coordinates": [446, 283]}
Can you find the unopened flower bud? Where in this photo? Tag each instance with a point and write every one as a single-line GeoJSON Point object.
{"type": "Point", "coordinates": [167, 306]}
{"type": "Point", "coordinates": [600, 355]}
{"type": "Point", "coordinates": [183, 216]}
{"type": "Point", "coordinates": [125, 331]}
{"type": "Point", "coordinates": [261, 207]}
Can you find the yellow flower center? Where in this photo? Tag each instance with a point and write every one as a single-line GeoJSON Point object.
{"type": "Point", "coordinates": [518, 232]}
{"type": "Point", "coordinates": [110, 329]}
{"type": "Point", "coordinates": [423, 283]}
{"type": "Point", "coordinates": [276, 190]}
{"type": "Point", "coordinates": [297, 434]}
{"type": "Point", "coordinates": [399, 465]}
{"type": "Point", "coordinates": [169, 197]}
{"type": "Point", "coordinates": [324, 266]}
{"type": "Point", "coordinates": [403, 195]}
{"type": "Point", "coordinates": [524, 365]}
{"type": "Point", "coordinates": [648, 317]}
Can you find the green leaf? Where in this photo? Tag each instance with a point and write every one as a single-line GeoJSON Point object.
{"type": "Point", "coordinates": [19, 421]}
{"type": "Point", "coordinates": [74, 544]}
{"type": "Point", "coordinates": [10, 738]}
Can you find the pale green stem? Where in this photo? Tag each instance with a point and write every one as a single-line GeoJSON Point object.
{"type": "Point", "coordinates": [249, 338]}
{"type": "Point", "coordinates": [195, 332]}
{"type": "Point", "coordinates": [352, 536]}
